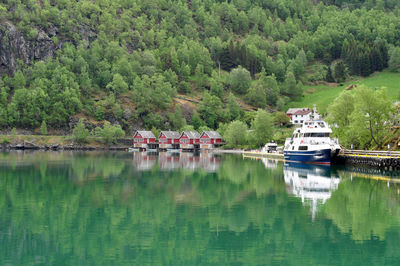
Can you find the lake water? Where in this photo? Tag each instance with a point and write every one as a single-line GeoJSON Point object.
{"type": "Point", "coordinates": [95, 208]}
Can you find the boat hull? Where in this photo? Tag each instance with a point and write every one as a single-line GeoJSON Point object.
{"type": "Point", "coordinates": [316, 157]}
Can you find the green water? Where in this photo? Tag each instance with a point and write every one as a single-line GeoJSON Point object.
{"type": "Point", "coordinates": [65, 208]}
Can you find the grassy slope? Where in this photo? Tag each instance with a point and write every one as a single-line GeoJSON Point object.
{"type": "Point", "coordinates": [325, 95]}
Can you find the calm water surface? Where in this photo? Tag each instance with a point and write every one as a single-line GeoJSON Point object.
{"type": "Point", "coordinates": [138, 208]}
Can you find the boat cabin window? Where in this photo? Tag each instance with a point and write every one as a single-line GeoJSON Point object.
{"type": "Point", "coordinates": [303, 148]}
{"type": "Point", "coordinates": [316, 135]}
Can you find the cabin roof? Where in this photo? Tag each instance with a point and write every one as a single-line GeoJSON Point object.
{"type": "Point", "coordinates": [213, 134]}
{"type": "Point", "coordinates": [191, 134]}
{"type": "Point", "coordinates": [171, 134]}
{"type": "Point", "coordinates": [146, 134]}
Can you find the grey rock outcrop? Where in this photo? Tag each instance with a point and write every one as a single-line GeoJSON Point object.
{"type": "Point", "coordinates": [15, 46]}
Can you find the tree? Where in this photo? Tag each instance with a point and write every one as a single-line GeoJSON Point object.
{"type": "Point", "coordinates": [394, 61]}
{"type": "Point", "coordinates": [291, 87]}
{"type": "Point", "coordinates": [329, 76]}
{"type": "Point", "coordinates": [196, 121]}
{"type": "Point", "coordinates": [210, 110]}
{"type": "Point", "coordinates": [43, 128]}
{"type": "Point", "coordinates": [362, 119]}
{"type": "Point", "coordinates": [256, 95]}
{"type": "Point", "coordinates": [371, 115]}
{"type": "Point", "coordinates": [339, 72]}
{"type": "Point", "coordinates": [235, 133]}
{"type": "Point", "coordinates": [109, 133]}
{"type": "Point", "coordinates": [118, 84]}
{"type": "Point", "coordinates": [281, 119]}
{"type": "Point", "coordinates": [240, 80]}
{"type": "Point", "coordinates": [272, 89]}
{"type": "Point", "coordinates": [176, 119]}
{"type": "Point", "coordinates": [80, 133]}
{"type": "Point", "coordinates": [263, 127]}
{"type": "Point", "coordinates": [233, 107]}
{"type": "Point", "coordinates": [339, 113]}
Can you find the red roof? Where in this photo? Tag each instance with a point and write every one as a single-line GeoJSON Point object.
{"type": "Point", "coordinates": [303, 112]}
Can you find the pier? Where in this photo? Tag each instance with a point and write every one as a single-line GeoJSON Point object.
{"type": "Point", "coordinates": [388, 160]}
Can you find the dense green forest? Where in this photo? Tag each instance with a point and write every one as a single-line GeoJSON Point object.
{"type": "Point", "coordinates": [129, 61]}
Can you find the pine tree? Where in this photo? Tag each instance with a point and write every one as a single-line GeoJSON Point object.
{"type": "Point", "coordinates": [329, 76]}
{"type": "Point", "coordinates": [43, 128]}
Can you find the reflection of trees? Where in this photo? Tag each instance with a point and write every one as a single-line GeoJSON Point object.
{"type": "Point", "coordinates": [162, 217]}
{"type": "Point", "coordinates": [364, 208]}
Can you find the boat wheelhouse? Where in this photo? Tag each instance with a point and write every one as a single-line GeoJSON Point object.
{"type": "Point", "coordinates": [311, 143]}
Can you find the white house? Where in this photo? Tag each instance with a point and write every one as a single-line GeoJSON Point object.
{"type": "Point", "coordinates": [298, 115]}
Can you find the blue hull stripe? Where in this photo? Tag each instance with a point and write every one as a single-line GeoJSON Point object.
{"type": "Point", "coordinates": [321, 156]}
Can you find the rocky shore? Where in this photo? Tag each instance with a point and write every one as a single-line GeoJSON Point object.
{"type": "Point", "coordinates": [32, 142]}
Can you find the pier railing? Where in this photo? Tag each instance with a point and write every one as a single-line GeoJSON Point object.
{"type": "Point", "coordinates": [370, 153]}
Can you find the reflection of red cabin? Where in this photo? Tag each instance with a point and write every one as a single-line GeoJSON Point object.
{"type": "Point", "coordinates": [142, 139]}
{"type": "Point", "coordinates": [209, 162]}
{"type": "Point", "coordinates": [168, 160]}
{"type": "Point", "coordinates": [189, 140]}
{"type": "Point", "coordinates": [169, 140]}
{"type": "Point", "coordinates": [188, 160]}
{"type": "Point", "coordinates": [210, 139]}
{"type": "Point", "coordinates": [144, 160]}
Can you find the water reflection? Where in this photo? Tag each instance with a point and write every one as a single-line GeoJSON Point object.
{"type": "Point", "coordinates": [314, 184]}
{"type": "Point", "coordinates": [270, 163]}
{"type": "Point", "coordinates": [169, 161]}
{"type": "Point", "coordinates": [104, 208]}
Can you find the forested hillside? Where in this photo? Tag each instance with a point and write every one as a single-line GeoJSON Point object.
{"type": "Point", "coordinates": [147, 63]}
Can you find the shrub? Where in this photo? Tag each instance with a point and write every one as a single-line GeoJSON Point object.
{"type": "Point", "coordinates": [109, 133]}
{"type": "Point", "coordinates": [80, 132]}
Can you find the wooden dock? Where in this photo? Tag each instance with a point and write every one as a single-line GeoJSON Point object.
{"type": "Point", "coordinates": [269, 155]}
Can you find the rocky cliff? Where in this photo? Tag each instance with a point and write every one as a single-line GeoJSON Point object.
{"type": "Point", "coordinates": [16, 46]}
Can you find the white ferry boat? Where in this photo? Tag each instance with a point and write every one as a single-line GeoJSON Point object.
{"type": "Point", "coordinates": [311, 143]}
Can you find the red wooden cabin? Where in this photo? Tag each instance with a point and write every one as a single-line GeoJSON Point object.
{"type": "Point", "coordinates": [210, 139]}
{"type": "Point", "coordinates": [144, 139]}
{"type": "Point", "coordinates": [169, 140]}
{"type": "Point", "coordinates": [189, 140]}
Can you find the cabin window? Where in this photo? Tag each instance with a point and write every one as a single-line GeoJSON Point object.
{"type": "Point", "coordinates": [303, 148]}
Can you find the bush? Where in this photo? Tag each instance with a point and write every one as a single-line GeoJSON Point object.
{"type": "Point", "coordinates": [236, 134]}
{"type": "Point", "coordinates": [109, 133]}
{"type": "Point", "coordinates": [80, 132]}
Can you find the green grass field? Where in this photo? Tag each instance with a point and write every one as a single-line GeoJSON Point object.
{"type": "Point", "coordinates": [324, 95]}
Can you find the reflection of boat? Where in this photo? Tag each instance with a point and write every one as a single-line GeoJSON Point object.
{"type": "Point", "coordinates": [269, 164]}
{"type": "Point", "coordinates": [312, 183]}
{"type": "Point", "coordinates": [311, 144]}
